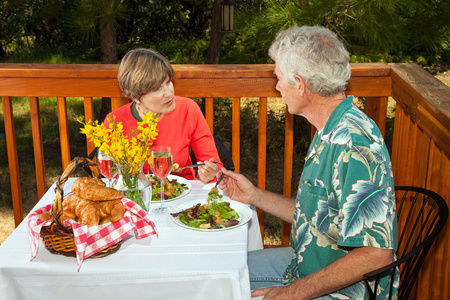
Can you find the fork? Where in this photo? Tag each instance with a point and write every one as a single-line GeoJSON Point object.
{"type": "Point", "coordinates": [191, 166]}
{"type": "Point", "coordinates": [216, 190]}
{"type": "Point", "coordinates": [218, 181]}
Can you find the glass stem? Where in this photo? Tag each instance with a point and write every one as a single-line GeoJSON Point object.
{"type": "Point", "coordinates": [162, 192]}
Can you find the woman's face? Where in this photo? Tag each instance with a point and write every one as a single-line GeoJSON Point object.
{"type": "Point", "coordinates": [160, 101]}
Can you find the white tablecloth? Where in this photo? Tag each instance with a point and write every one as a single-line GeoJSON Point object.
{"type": "Point", "coordinates": [180, 264]}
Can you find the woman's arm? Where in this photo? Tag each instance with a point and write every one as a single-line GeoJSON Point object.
{"type": "Point", "coordinates": [203, 145]}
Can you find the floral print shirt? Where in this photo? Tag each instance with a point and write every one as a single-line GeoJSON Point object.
{"type": "Point", "coordinates": [345, 197]}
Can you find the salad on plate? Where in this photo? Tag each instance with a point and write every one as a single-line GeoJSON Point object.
{"type": "Point", "coordinates": [172, 188]}
{"type": "Point", "coordinates": [211, 215]}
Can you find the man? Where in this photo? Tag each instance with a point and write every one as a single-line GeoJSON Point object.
{"type": "Point", "coordinates": [343, 217]}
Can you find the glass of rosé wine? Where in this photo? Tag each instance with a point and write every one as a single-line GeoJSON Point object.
{"type": "Point", "coordinates": [107, 167]}
{"type": "Point", "coordinates": [161, 166]}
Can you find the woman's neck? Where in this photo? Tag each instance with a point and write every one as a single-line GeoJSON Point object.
{"type": "Point", "coordinates": [142, 113]}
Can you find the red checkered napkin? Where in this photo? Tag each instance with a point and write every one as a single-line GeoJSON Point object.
{"type": "Point", "coordinates": [92, 239]}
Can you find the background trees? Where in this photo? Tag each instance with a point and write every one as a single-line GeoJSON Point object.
{"type": "Point", "coordinates": [87, 30]}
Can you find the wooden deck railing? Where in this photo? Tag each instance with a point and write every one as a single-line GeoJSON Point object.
{"type": "Point", "coordinates": [421, 142]}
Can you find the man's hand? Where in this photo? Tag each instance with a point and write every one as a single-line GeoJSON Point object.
{"type": "Point", "coordinates": [274, 293]}
{"type": "Point", "coordinates": [237, 187]}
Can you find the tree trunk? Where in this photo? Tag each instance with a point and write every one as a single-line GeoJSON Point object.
{"type": "Point", "coordinates": [2, 51]}
{"type": "Point", "coordinates": [216, 35]}
{"type": "Point", "coordinates": [108, 54]}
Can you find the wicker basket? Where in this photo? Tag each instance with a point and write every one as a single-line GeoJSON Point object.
{"type": "Point", "coordinates": [57, 238]}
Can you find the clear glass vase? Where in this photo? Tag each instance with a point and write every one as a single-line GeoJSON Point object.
{"type": "Point", "coordinates": [134, 185]}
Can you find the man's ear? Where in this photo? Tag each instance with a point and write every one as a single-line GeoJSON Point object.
{"type": "Point", "coordinates": [301, 85]}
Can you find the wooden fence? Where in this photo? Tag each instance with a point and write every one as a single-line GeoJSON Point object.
{"type": "Point", "coordinates": [420, 147]}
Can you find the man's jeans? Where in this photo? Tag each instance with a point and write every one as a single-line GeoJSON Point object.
{"type": "Point", "coordinates": [266, 267]}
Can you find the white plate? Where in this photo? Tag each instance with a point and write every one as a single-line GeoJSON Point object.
{"type": "Point", "coordinates": [179, 180]}
{"type": "Point", "coordinates": [245, 214]}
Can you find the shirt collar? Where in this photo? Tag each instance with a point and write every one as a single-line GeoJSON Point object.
{"type": "Point", "coordinates": [337, 114]}
{"type": "Point", "coordinates": [134, 112]}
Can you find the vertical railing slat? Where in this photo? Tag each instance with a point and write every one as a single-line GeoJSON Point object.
{"type": "Point", "coordinates": [262, 156]}
{"type": "Point", "coordinates": [63, 132]}
{"type": "Point", "coordinates": [209, 113]}
{"type": "Point", "coordinates": [38, 146]}
{"type": "Point", "coordinates": [117, 102]}
{"type": "Point", "coordinates": [13, 161]}
{"type": "Point", "coordinates": [420, 159]}
{"type": "Point", "coordinates": [395, 152]}
{"type": "Point", "coordinates": [443, 240]}
{"type": "Point", "coordinates": [402, 139]}
{"type": "Point", "coordinates": [89, 116]}
{"type": "Point", "coordinates": [426, 276]}
{"type": "Point", "coordinates": [376, 109]}
{"type": "Point", "coordinates": [236, 134]}
{"type": "Point", "coordinates": [287, 180]}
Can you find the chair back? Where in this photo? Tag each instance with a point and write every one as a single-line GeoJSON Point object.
{"type": "Point", "coordinates": [224, 155]}
{"type": "Point", "coordinates": [421, 215]}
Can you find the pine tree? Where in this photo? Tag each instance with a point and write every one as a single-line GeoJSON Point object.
{"type": "Point", "coordinates": [374, 29]}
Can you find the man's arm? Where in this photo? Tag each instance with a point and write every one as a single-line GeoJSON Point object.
{"type": "Point", "coordinates": [239, 188]}
{"type": "Point", "coordinates": [341, 273]}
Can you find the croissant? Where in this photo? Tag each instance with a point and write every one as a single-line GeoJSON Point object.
{"type": "Point", "coordinates": [94, 190]}
{"type": "Point", "coordinates": [81, 210]}
{"type": "Point", "coordinates": [92, 203]}
{"type": "Point", "coordinates": [105, 220]}
{"type": "Point", "coordinates": [113, 209]}
{"type": "Point", "coordinates": [69, 205]}
{"type": "Point", "coordinates": [88, 212]}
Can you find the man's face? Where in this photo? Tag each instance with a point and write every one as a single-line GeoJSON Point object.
{"type": "Point", "coordinates": [289, 92]}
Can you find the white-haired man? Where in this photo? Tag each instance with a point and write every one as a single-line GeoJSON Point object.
{"type": "Point", "coordinates": [343, 217]}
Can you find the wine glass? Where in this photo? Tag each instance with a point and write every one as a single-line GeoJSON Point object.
{"type": "Point", "coordinates": [107, 167]}
{"type": "Point", "coordinates": [161, 165]}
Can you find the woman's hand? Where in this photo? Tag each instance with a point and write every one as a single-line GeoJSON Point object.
{"type": "Point", "coordinates": [207, 172]}
{"type": "Point", "coordinates": [238, 187]}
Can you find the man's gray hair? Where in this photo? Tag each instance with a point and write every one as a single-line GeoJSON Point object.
{"type": "Point", "coordinates": [314, 53]}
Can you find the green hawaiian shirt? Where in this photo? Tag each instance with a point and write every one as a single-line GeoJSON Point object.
{"type": "Point", "coordinates": [345, 197]}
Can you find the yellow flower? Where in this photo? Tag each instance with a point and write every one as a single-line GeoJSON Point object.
{"type": "Point", "coordinates": [123, 150]}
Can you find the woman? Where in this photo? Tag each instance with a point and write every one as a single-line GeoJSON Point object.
{"type": "Point", "coordinates": [145, 77]}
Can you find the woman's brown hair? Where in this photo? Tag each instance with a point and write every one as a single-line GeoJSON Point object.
{"type": "Point", "coordinates": [142, 71]}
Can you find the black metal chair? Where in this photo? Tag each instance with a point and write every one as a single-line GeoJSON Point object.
{"type": "Point", "coordinates": [421, 215]}
{"type": "Point", "coordinates": [224, 155]}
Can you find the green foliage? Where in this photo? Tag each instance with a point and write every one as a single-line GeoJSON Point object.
{"type": "Point", "coordinates": [153, 21]}
{"type": "Point", "coordinates": [372, 30]}
{"type": "Point", "coordinates": [62, 54]}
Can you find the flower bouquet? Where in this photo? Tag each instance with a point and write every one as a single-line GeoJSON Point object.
{"type": "Point", "coordinates": [129, 153]}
